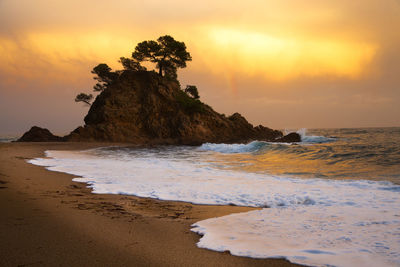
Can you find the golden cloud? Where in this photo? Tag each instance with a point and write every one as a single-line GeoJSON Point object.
{"type": "Point", "coordinates": [282, 58]}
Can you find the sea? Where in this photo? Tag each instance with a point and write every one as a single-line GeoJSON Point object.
{"type": "Point", "coordinates": [331, 200]}
{"type": "Point", "coordinates": [7, 138]}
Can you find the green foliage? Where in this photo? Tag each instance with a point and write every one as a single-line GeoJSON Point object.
{"type": "Point", "coordinates": [102, 72]}
{"type": "Point", "coordinates": [146, 50]}
{"type": "Point", "coordinates": [192, 90]}
{"type": "Point", "coordinates": [98, 87]}
{"type": "Point", "coordinates": [189, 104]}
{"type": "Point", "coordinates": [166, 52]}
{"type": "Point", "coordinates": [131, 64]}
{"type": "Point", "coordinates": [85, 98]}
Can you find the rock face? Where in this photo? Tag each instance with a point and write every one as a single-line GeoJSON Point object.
{"type": "Point", "coordinates": [37, 134]}
{"type": "Point", "coordinates": [290, 138]}
{"type": "Point", "coordinates": [143, 108]}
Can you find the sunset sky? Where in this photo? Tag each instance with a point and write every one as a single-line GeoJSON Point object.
{"type": "Point", "coordinates": [285, 64]}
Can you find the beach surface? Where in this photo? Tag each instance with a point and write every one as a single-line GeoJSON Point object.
{"type": "Point", "coordinates": [47, 220]}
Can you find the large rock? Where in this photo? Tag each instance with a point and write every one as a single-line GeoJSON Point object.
{"type": "Point", "coordinates": [37, 134]}
{"type": "Point", "coordinates": [144, 108]}
{"type": "Point", "coordinates": [289, 138]}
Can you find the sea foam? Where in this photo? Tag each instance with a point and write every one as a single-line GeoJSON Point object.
{"type": "Point", "coordinates": [310, 235]}
{"type": "Point", "coordinates": [312, 139]}
{"type": "Point", "coordinates": [234, 148]}
{"type": "Point", "coordinates": [309, 221]}
{"type": "Point", "coordinates": [255, 146]}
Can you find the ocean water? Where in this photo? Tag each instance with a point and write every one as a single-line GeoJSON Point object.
{"type": "Point", "coordinates": [331, 200]}
{"type": "Point", "coordinates": [7, 138]}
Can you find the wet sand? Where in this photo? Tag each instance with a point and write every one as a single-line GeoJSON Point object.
{"type": "Point", "coordinates": [48, 220]}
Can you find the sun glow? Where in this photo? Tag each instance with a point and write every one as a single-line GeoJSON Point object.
{"type": "Point", "coordinates": [217, 50]}
{"type": "Point", "coordinates": [282, 58]}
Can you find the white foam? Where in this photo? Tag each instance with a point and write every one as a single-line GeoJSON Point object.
{"type": "Point", "coordinates": [255, 146]}
{"type": "Point", "coordinates": [318, 213]}
{"type": "Point", "coordinates": [233, 148]}
{"type": "Point", "coordinates": [312, 139]}
{"type": "Point", "coordinates": [309, 235]}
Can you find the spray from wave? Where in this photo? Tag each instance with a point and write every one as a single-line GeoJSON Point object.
{"type": "Point", "coordinates": [312, 139]}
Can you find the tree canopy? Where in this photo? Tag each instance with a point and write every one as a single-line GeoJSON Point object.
{"type": "Point", "coordinates": [104, 76]}
{"type": "Point", "coordinates": [168, 55]}
{"type": "Point", "coordinates": [131, 64]}
{"type": "Point", "coordinates": [192, 90]}
{"type": "Point", "coordinates": [85, 98]}
{"type": "Point", "coordinates": [166, 52]}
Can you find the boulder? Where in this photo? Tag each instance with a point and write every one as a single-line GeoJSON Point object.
{"type": "Point", "coordinates": [289, 138]}
{"type": "Point", "coordinates": [37, 134]}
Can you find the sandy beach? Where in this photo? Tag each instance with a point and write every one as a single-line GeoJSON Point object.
{"type": "Point", "coordinates": [48, 220]}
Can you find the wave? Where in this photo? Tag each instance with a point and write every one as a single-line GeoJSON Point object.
{"type": "Point", "coordinates": [196, 180]}
{"type": "Point", "coordinates": [256, 146]}
{"type": "Point", "coordinates": [313, 139]}
{"type": "Point", "coordinates": [7, 139]}
{"type": "Point", "coordinates": [234, 148]}
{"type": "Point", "coordinates": [309, 221]}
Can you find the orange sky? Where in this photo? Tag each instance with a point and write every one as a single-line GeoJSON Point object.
{"type": "Point", "coordinates": [284, 64]}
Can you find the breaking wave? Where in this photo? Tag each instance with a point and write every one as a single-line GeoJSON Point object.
{"type": "Point", "coordinates": [255, 146]}
{"type": "Point", "coordinates": [315, 221]}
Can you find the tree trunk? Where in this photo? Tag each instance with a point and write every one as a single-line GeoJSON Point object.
{"type": "Point", "coordinates": [160, 71]}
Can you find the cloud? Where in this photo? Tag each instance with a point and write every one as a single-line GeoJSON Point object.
{"type": "Point", "coordinates": [277, 62]}
{"type": "Point", "coordinates": [285, 57]}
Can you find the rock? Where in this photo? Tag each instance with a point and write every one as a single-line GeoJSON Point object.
{"type": "Point", "coordinates": [142, 107]}
{"type": "Point", "coordinates": [37, 134]}
{"type": "Point", "coordinates": [290, 138]}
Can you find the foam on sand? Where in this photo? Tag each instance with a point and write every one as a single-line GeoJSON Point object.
{"type": "Point", "coordinates": [310, 221]}
{"type": "Point", "coordinates": [309, 235]}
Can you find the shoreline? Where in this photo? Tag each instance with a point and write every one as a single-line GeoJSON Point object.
{"type": "Point", "coordinates": [47, 219]}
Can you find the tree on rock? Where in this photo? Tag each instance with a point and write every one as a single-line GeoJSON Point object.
{"type": "Point", "coordinates": [131, 64]}
{"type": "Point", "coordinates": [85, 98]}
{"type": "Point", "coordinates": [192, 90]}
{"type": "Point", "coordinates": [104, 76]}
{"type": "Point", "coordinates": [166, 52]}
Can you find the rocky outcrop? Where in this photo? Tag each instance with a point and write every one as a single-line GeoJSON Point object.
{"type": "Point", "coordinates": [143, 108]}
{"type": "Point", "coordinates": [290, 138]}
{"type": "Point", "coordinates": [37, 134]}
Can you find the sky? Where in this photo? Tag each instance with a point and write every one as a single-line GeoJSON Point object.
{"type": "Point", "coordinates": [285, 64]}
